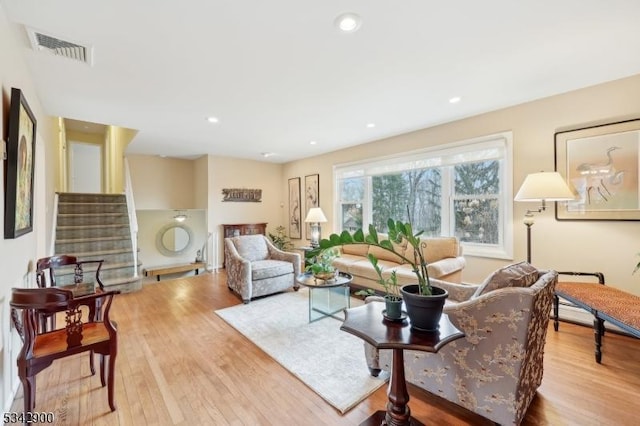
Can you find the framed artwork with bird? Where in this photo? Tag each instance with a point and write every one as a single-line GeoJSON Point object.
{"type": "Point", "coordinates": [601, 164]}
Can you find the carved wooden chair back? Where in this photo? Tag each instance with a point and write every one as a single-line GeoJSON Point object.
{"type": "Point", "coordinates": [81, 333]}
{"type": "Point", "coordinates": [48, 268]}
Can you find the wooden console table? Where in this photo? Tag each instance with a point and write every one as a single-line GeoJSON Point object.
{"type": "Point", "coordinates": [235, 230]}
{"type": "Point", "coordinates": [172, 269]}
{"type": "Point", "coordinates": [367, 323]}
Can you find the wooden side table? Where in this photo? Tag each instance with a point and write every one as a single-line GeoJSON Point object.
{"type": "Point", "coordinates": [367, 323]}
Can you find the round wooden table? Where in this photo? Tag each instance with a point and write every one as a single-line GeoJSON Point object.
{"type": "Point", "coordinates": [367, 323]}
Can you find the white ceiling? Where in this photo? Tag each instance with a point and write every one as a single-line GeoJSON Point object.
{"type": "Point", "coordinates": [278, 74]}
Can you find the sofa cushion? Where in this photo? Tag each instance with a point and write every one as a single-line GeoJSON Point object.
{"type": "Point", "coordinates": [343, 262]}
{"type": "Point", "coordinates": [263, 269]}
{"type": "Point", "coordinates": [383, 254]}
{"type": "Point", "coordinates": [355, 249]}
{"type": "Point", "coordinates": [520, 274]}
{"type": "Point", "coordinates": [364, 269]}
{"type": "Point", "coordinates": [251, 247]}
{"type": "Point", "coordinates": [440, 248]}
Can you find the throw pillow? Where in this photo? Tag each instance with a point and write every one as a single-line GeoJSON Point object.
{"type": "Point", "coordinates": [520, 274]}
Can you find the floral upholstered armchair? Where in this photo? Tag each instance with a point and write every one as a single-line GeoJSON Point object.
{"type": "Point", "coordinates": [255, 267]}
{"type": "Point", "coordinates": [497, 367]}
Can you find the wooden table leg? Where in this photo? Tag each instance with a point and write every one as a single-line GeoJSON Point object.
{"type": "Point", "coordinates": [398, 412]}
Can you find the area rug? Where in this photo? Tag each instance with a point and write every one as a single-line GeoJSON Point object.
{"type": "Point", "coordinates": [330, 361]}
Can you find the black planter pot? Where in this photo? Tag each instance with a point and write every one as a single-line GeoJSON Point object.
{"type": "Point", "coordinates": [424, 311]}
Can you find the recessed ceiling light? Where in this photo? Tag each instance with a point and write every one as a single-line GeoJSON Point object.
{"type": "Point", "coordinates": [313, 143]}
{"type": "Point", "coordinates": [212, 119]}
{"type": "Point", "coordinates": [371, 125]}
{"type": "Point", "coordinates": [348, 22]}
{"type": "Point", "coordinates": [267, 154]}
{"type": "Point", "coordinates": [455, 100]}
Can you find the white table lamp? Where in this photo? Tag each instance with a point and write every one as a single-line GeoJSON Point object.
{"type": "Point", "coordinates": [315, 217]}
{"type": "Point", "coordinates": [542, 187]}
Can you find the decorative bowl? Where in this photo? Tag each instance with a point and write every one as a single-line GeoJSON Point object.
{"type": "Point", "coordinates": [325, 276]}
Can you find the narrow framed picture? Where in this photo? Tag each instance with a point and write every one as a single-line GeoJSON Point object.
{"type": "Point", "coordinates": [601, 163]}
{"type": "Point", "coordinates": [19, 166]}
{"type": "Point", "coordinates": [311, 198]}
{"type": "Point", "coordinates": [295, 210]}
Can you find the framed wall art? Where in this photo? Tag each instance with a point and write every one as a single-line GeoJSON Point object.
{"type": "Point", "coordinates": [601, 163]}
{"type": "Point", "coordinates": [19, 167]}
{"type": "Point", "coordinates": [295, 211]}
{"type": "Point", "coordinates": [311, 198]}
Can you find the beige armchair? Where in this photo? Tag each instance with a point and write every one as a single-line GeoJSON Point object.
{"type": "Point", "coordinates": [497, 367]}
{"type": "Point", "coordinates": [255, 267]}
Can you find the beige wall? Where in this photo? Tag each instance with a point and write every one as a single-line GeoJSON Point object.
{"type": "Point", "coordinates": [165, 183]}
{"type": "Point", "coordinates": [152, 221]}
{"type": "Point", "coordinates": [235, 173]}
{"type": "Point", "coordinates": [608, 247]}
{"type": "Point", "coordinates": [162, 183]}
{"type": "Point", "coordinates": [17, 256]}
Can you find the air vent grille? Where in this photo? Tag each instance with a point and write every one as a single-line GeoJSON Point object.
{"type": "Point", "coordinates": [60, 47]}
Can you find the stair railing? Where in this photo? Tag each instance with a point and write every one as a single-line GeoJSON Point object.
{"type": "Point", "coordinates": [133, 219]}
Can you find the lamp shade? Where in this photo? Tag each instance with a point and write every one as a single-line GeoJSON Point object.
{"type": "Point", "coordinates": [315, 215]}
{"type": "Point", "coordinates": [547, 186]}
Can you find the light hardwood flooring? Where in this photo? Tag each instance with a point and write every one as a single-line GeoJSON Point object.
{"type": "Point", "coordinates": [180, 364]}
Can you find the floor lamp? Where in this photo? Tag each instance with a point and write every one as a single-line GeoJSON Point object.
{"type": "Point", "coordinates": [315, 217]}
{"type": "Point", "coordinates": [542, 187]}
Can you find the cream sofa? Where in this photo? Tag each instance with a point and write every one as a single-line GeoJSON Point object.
{"type": "Point", "coordinates": [496, 369]}
{"type": "Point", "coordinates": [442, 254]}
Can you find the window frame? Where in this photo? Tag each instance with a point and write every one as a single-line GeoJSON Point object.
{"type": "Point", "coordinates": [435, 156]}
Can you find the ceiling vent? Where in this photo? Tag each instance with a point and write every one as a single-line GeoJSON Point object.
{"type": "Point", "coordinates": [60, 47]}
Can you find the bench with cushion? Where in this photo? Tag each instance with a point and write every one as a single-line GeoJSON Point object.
{"type": "Point", "coordinates": [605, 303]}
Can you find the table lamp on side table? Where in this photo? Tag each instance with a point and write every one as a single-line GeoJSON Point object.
{"type": "Point", "coordinates": [315, 217]}
{"type": "Point", "coordinates": [542, 187]}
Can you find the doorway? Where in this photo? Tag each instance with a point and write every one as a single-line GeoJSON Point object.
{"type": "Point", "coordinates": [85, 165]}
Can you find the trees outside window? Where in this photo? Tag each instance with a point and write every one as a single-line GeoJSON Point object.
{"type": "Point", "coordinates": [462, 191]}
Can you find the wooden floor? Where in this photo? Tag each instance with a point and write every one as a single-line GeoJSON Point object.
{"type": "Point", "coordinates": [180, 364]}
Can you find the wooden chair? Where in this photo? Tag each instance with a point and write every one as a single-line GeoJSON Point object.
{"type": "Point", "coordinates": [40, 348]}
{"type": "Point", "coordinates": [55, 271]}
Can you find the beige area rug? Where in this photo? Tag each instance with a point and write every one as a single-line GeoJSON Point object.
{"type": "Point", "coordinates": [330, 361]}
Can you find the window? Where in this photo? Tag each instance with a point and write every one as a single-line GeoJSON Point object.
{"type": "Point", "coordinates": [461, 189]}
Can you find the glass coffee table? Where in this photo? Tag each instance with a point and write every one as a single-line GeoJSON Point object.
{"type": "Point", "coordinates": [326, 298]}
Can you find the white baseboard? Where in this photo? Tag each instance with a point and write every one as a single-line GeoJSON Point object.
{"type": "Point", "coordinates": [11, 397]}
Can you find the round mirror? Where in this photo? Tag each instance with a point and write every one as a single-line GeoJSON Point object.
{"type": "Point", "coordinates": [174, 239]}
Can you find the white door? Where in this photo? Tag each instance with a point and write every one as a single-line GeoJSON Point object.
{"type": "Point", "coordinates": [85, 164]}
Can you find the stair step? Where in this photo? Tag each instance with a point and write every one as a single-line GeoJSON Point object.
{"type": "Point", "coordinates": [113, 214]}
{"type": "Point", "coordinates": [98, 203]}
{"type": "Point", "coordinates": [88, 240]}
{"type": "Point", "coordinates": [112, 225]}
{"type": "Point", "coordinates": [125, 285]}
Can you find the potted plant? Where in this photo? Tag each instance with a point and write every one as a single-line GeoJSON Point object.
{"type": "Point", "coordinates": [392, 298]}
{"type": "Point", "coordinates": [280, 239]}
{"type": "Point", "coordinates": [321, 265]}
{"type": "Point", "coordinates": [423, 301]}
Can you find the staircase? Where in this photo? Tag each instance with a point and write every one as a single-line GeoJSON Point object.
{"type": "Point", "coordinates": [96, 226]}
